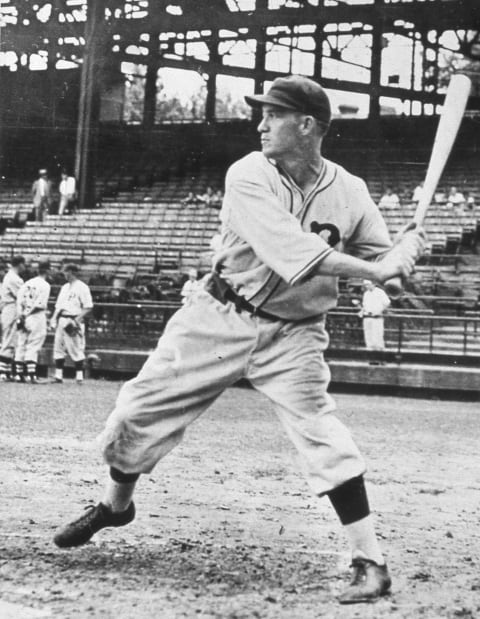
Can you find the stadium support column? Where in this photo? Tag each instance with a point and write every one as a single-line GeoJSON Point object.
{"type": "Point", "coordinates": [376, 65]}
{"type": "Point", "coordinates": [150, 97]}
{"type": "Point", "coordinates": [210, 102]}
{"type": "Point", "coordinates": [89, 105]}
{"type": "Point", "coordinates": [260, 54]}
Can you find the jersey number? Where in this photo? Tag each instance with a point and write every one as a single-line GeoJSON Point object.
{"type": "Point", "coordinates": [334, 232]}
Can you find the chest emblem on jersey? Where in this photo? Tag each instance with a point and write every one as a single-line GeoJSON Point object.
{"type": "Point", "coordinates": [329, 232]}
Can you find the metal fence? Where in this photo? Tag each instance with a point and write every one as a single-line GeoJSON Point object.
{"type": "Point", "coordinates": [138, 326]}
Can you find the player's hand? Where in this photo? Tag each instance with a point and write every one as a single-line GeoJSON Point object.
{"type": "Point", "coordinates": [401, 259]}
{"type": "Point", "coordinates": [53, 324]}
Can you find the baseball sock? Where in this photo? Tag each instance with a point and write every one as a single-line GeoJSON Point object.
{"type": "Point", "coordinates": [59, 363]}
{"type": "Point", "coordinates": [19, 368]}
{"type": "Point", "coordinates": [350, 501]}
{"type": "Point", "coordinates": [79, 370]}
{"type": "Point", "coordinates": [31, 368]}
{"type": "Point", "coordinates": [119, 490]}
{"type": "Point", "coordinates": [5, 366]}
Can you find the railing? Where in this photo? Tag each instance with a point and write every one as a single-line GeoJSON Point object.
{"type": "Point", "coordinates": [137, 326]}
{"type": "Point", "coordinates": [429, 334]}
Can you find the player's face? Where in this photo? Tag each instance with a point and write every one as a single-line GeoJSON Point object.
{"type": "Point", "coordinates": [279, 131]}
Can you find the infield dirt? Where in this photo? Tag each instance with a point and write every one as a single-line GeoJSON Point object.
{"type": "Point", "coordinates": [226, 526]}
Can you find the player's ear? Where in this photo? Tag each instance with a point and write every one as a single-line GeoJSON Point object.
{"type": "Point", "coordinates": [308, 124]}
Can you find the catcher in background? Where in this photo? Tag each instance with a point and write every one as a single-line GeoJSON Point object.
{"type": "Point", "coordinates": [74, 302]}
{"type": "Point", "coordinates": [32, 303]}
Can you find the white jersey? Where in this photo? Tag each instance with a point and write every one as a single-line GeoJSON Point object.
{"type": "Point", "coordinates": [10, 287]}
{"type": "Point", "coordinates": [266, 255]}
{"type": "Point", "coordinates": [33, 296]}
{"type": "Point", "coordinates": [73, 298]}
{"type": "Point", "coordinates": [375, 302]}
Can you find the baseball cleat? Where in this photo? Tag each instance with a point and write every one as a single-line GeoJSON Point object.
{"type": "Point", "coordinates": [369, 582]}
{"type": "Point", "coordinates": [97, 517]}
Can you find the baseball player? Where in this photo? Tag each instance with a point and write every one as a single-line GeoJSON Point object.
{"type": "Point", "coordinates": [74, 302]}
{"type": "Point", "coordinates": [32, 304]}
{"type": "Point", "coordinates": [374, 304]}
{"type": "Point", "coordinates": [10, 287]}
{"type": "Point", "coordinates": [292, 223]}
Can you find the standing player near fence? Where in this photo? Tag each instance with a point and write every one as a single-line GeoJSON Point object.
{"type": "Point", "coordinates": [10, 286]}
{"type": "Point", "coordinates": [32, 305]}
{"type": "Point", "coordinates": [292, 223]}
{"type": "Point", "coordinates": [74, 302]}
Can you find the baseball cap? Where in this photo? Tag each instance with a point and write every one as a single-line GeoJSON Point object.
{"type": "Point", "coordinates": [298, 93]}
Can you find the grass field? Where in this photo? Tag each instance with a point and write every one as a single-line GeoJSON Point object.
{"type": "Point", "coordinates": [226, 526]}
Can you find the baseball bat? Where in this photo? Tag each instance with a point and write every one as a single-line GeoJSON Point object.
{"type": "Point", "coordinates": [450, 118]}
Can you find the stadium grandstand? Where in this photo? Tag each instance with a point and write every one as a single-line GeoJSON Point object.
{"type": "Point", "coordinates": [143, 102]}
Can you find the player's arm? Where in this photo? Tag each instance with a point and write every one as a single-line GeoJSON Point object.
{"type": "Point", "coordinates": [86, 303]}
{"type": "Point", "coordinates": [399, 261]}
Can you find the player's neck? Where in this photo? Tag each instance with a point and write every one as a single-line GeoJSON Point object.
{"type": "Point", "coordinates": [304, 169]}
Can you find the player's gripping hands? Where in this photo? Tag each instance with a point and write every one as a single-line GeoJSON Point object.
{"type": "Point", "coordinates": [400, 261]}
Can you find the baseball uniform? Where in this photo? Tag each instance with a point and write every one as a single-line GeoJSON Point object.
{"type": "Point", "coordinates": [272, 237]}
{"type": "Point", "coordinates": [72, 299]}
{"type": "Point", "coordinates": [10, 287]}
{"type": "Point", "coordinates": [32, 303]}
{"type": "Point", "coordinates": [374, 304]}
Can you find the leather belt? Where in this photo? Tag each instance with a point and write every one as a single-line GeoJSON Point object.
{"type": "Point", "coordinates": [221, 291]}
{"type": "Point", "coordinates": [241, 304]}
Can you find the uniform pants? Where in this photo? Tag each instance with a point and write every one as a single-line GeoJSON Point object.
{"type": "Point", "coordinates": [31, 340]}
{"type": "Point", "coordinates": [64, 344]}
{"type": "Point", "coordinates": [9, 331]}
{"type": "Point", "coordinates": [373, 329]}
{"type": "Point", "coordinates": [207, 347]}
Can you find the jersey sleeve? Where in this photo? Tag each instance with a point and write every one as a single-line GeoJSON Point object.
{"type": "Point", "coordinates": [371, 238]}
{"type": "Point", "coordinates": [86, 300]}
{"type": "Point", "coordinates": [21, 298]}
{"type": "Point", "coordinates": [254, 213]}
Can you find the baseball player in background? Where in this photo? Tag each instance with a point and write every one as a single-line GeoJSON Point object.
{"type": "Point", "coordinates": [32, 305]}
{"type": "Point", "coordinates": [74, 302]}
{"type": "Point", "coordinates": [10, 286]}
{"type": "Point", "coordinates": [292, 223]}
{"type": "Point", "coordinates": [375, 302]}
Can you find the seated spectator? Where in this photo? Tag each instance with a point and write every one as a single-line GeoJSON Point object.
{"type": "Point", "coordinates": [217, 199]}
{"type": "Point", "coordinates": [440, 196]}
{"type": "Point", "coordinates": [469, 201]}
{"type": "Point", "coordinates": [389, 199]}
{"type": "Point", "coordinates": [190, 286]}
{"type": "Point", "coordinates": [455, 199]}
{"type": "Point", "coordinates": [207, 197]}
{"type": "Point", "coordinates": [417, 193]}
{"type": "Point", "coordinates": [191, 198]}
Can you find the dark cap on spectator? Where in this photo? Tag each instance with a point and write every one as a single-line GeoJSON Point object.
{"type": "Point", "coordinates": [298, 93]}
{"type": "Point", "coordinates": [73, 268]}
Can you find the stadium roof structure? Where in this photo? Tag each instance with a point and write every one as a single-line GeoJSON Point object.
{"type": "Point", "coordinates": [313, 37]}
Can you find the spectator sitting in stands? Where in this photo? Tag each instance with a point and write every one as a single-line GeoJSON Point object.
{"type": "Point", "coordinates": [389, 199]}
{"type": "Point", "coordinates": [190, 286]}
{"type": "Point", "coordinates": [207, 197]}
{"type": "Point", "coordinates": [190, 199]}
{"type": "Point", "coordinates": [217, 199]}
{"type": "Point", "coordinates": [440, 196]}
{"type": "Point", "coordinates": [469, 201]}
{"type": "Point", "coordinates": [456, 199]}
{"type": "Point", "coordinates": [417, 192]}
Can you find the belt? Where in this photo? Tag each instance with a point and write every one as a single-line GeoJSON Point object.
{"type": "Point", "coordinates": [221, 291]}
{"type": "Point", "coordinates": [62, 315]}
{"type": "Point", "coordinates": [241, 304]}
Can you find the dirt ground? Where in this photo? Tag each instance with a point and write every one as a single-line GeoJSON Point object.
{"type": "Point", "coordinates": [226, 526]}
